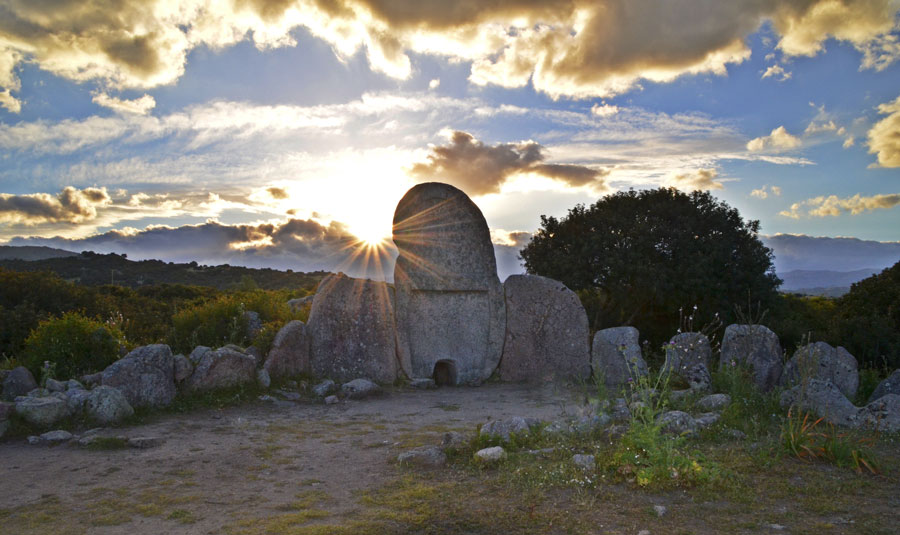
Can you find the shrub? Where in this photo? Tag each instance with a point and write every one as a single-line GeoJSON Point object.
{"type": "Point", "coordinates": [214, 324]}
{"type": "Point", "coordinates": [221, 321]}
{"type": "Point", "coordinates": [73, 343]}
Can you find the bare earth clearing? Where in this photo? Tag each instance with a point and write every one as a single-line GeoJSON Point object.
{"type": "Point", "coordinates": [304, 467]}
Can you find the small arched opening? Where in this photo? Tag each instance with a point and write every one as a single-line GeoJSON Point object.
{"type": "Point", "coordinates": [444, 373]}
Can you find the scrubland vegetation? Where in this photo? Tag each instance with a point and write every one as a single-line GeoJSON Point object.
{"type": "Point", "coordinates": [81, 329]}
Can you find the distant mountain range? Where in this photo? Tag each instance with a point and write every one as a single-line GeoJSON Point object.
{"type": "Point", "coordinates": [94, 269]}
{"type": "Point", "coordinates": [97, 269]}
{"type": "Point", "coordinates": [822, 282]}
{"type": "Point", "coordinates": [29, 252]}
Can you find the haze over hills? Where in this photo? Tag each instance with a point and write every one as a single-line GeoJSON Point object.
{"type": "Point", "coordinates": [94, 269]}
{"type": "Point", "coordinates": [822, 282]}
{"type": "Point", "coordinates": [813, 253]}
{"type": "Point", "coordinates": [30, 252]}
{"type": "Point", "coordinates": [98, 269]}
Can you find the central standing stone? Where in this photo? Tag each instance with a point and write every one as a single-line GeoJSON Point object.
{"type": "Point", "coordinates": [450, 312]}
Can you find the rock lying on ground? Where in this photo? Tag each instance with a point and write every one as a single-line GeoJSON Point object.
{"type": "Point", "coordinates": [55, 386]}
{"type": "Point", "coordinates": [222, 368]}
{"type": "Point", "coordinates": [454, 440]}
{"type": "Point", "coordinates": [697, 377]}
{"type": "Point", "coordinates": [584, 461]}
{"type": "Point", "coordinates": [75, 400]}
{"type": "Point", "coordinates": [18, 382]}
{"type": "Point", "coordinates": [826, 400]}
{"type": "Point", "coordinates": [146, 376]}
{"type": "Point", "coordinates": [706, 419]}
{"type": "Point", "coordinates": [757, 347]}
{"type": "Point", "coordinates": [713, 402]}
{"type": "Point", "coordinates": [360, 388]}
{"type": "Point", "coordinates": [490, 455]}
{"type": "Point", "coordinates": [882, 414]}
{"type": "Point", "coordinates": [825, 363]}
{"type": "Point", "coordinates": [426, 456]}
{"type": "Point", "coordinates": [505, 428]}
{"type": "Point", "coordinates": [677, 423]}
{"type": "Point", "coordinates": [42, 411]}
{"type": "Point", "coordinates": [325, 388]}
{"type": "Point", "coordinates": [51, 438]}
{"type": "Point", "coordinates": [891, 385]}
{"type": "Point", "coordinates": [106, 405]}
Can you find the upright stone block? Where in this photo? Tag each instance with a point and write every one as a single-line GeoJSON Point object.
{"type": "Point", "coordinates": [450, 311]}
{"type": "Point", "coordinates": [616, 356]}
{"type": "Point", "coordinates": [351, 330]}
{"type": "Point", "coordinates": [757, 347]}
{"type": "Point", "coordinates": [547, 332]}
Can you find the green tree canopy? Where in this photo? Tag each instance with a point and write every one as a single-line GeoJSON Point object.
{"type": "Point", "coordinates": [637, 257]}
{"type": "Point", "coordinates": [867, 320]}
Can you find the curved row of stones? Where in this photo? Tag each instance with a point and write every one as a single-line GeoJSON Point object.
{"type": "Point", "coordinates": [448, 319]}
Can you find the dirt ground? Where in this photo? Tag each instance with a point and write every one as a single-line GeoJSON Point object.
{"type": "Point", "coordinates": [219, 466]}
{"type": "Point", "coordinates": [305, 467]}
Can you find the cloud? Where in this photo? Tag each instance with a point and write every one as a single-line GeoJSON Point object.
{"type": "Point", "coordinates": [604, 110]}
{"type": "Point", "coordinates": [71, 205]}
{"type": "Point", "coordinates": [779, 140]}
{"type": "Point", "coordinates": [884, 136]}
{"type": "Point", "coordinates": [434, 83]}
{"type": "Point", "coordinates": [833, 206]}
{"type": "Point", "coordinates": [277, 193]}
{"type": "Point", "coordinates": [139, 106]}
{"type": "Point", "coordinates": [880, 52]}
{"type": "Point", "coordinates": [824, 126]}
{"type": "Point", "coordinates": [480, 169]}
{"type": "Point", "coordinates": [578, 48]}
{"type": "Point", "coordinates": [793, 251]}
{"type": "Point", "coordinates": [510, 238]}
{"type": "Point", "coordinates": [301, 245]}
{"type": "Point", "coordinates": [777, 71]}
{"type": "Point", "coordinates": [763, 192]}
{"type": "Point", "coordinates": [701, 179]}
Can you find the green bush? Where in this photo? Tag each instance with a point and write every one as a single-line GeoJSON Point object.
{"type": "Point", "coordinates": [214, 324]}
{"type": "Point", "coordinates": [74, 344]}
{"type": "Point", "coordinates": [221, 321]}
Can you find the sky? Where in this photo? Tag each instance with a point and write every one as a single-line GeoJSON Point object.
{"type": "Point", "coordinates": [282, 133]}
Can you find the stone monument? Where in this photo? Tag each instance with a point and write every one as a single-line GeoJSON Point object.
{"type": "Point", "coordinates": [449, 310]}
